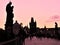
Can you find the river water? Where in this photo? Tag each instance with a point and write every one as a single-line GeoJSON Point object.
{"type": "Point", "coordinates": [41, 41]}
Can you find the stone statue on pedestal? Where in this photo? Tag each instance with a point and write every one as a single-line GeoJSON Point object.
{"type": "Point", "coordinates": [9, 18]}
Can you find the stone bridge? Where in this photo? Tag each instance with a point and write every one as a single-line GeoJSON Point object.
{"type": "Point", "coordinates": [15, 41]}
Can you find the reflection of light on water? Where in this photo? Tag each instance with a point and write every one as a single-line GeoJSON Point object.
{"type": "Point", "coordinates": [43, 41]}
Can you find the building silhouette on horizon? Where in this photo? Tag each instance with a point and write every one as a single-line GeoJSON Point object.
{"type": "Point", "coordinates": [16, 30]}
{"type": "Point", "coordinates": [33, 26]}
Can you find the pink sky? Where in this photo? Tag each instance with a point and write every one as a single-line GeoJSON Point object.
{"type": "Point", "coordinates": [45, 12]}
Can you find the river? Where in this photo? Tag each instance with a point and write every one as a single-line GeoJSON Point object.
{"type": "Point", "coordinates": [41, 41]}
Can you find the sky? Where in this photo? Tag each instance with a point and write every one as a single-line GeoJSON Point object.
{"type": "Point", "coordinates": [45, 12]}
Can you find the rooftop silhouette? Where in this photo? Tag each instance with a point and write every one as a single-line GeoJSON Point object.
{"type": "Point", "coordinates": [17, 30]}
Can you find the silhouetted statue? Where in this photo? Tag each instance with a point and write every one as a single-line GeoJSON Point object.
{"type": "Point", "coordinates": [56, 28]}
{"type": "Point", "coordinates": [9, 8]}
{"type": "Point", "coordinates": [44, 27]}
{"type": "Point", "coordinates": [56, 25]}
{"type": "Point", "coordinates": [32, 26]}
{"type": "Point", "coordinates": [9, 18]}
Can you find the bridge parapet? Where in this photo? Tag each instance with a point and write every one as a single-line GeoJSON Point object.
{"type": "Point", "coordinates": [10, 42]}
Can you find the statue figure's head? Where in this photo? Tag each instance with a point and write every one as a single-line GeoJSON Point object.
{"type": "Point", "coordinates": [55, 22]}
{"type": "Point", "coordinates": [10, 3]}
{"type": "Point", "coordinates": [9, 8]}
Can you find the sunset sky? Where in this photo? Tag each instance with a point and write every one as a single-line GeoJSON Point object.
{"type": "Point", "coordinates": [45, 12]}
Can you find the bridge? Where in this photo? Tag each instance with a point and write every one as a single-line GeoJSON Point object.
{"type": "Point", "coordinates": [15, 41]}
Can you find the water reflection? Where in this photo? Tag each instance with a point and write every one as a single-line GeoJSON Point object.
{"type": "Point", "coordinates": [41, 41]}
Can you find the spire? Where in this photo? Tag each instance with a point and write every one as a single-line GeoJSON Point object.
{"type": "Point", "coordinates": [16, 21]}
{"type": "Point", "coordinates": [32, 19]}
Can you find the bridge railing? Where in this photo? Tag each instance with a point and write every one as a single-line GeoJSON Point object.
{"type": "Point", "coordinates": [10, 42]}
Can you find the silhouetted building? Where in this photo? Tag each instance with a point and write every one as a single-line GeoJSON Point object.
{"type": "Point", "coordinates": [16, 28]}
{"type": "Point", "coordinates": [32, 26]}
{"type": "Point", "coordinates": [26, 29]}
{"type": "Point", "coordinates": [21, 31]}
{"type": "Point", "coordinates": [9, 18]}
{"type": "Point", "coordinates": [16, 33]}
{"type": "Point", "coordinates": [45, 29]}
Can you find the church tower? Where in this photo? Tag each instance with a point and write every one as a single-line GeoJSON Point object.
{"type": "Point", "coordinates": [9, 18]}
{"type": "Point", "coordinates": [32, 26]}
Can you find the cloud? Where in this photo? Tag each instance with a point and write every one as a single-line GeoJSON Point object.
{"type": "Point", "coordinates": [54, 18]}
